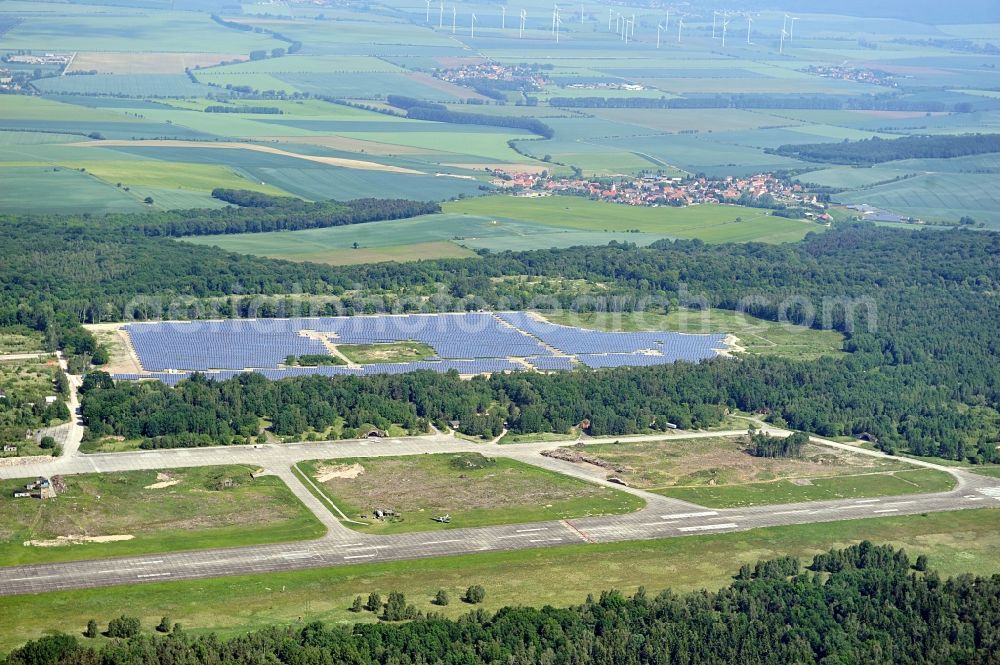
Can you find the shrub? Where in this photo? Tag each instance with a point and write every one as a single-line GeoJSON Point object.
{"type": "Point", "coordinates": [474, 594]}
{"type": "Point", "coordinates": [441, 599]}
{"type": "Point", "coordinates": [124, 626]}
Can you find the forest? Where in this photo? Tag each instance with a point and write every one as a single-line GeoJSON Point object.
{"type": "Point", "coordinates": [868, 152]}
{"type": "Point", "coordinates": [918, 309]}
{"type": "Point", "coordinates": [865, 603]}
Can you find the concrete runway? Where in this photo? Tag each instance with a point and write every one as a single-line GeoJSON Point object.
{"type": "Point", "coordinates": [661, 518]}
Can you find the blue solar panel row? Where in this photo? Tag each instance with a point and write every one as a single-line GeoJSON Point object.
{"type": "Point", "coordinates": [551, 363]}
{"type": "Point", "coordinates": [576, 341]}
{"type": "Point", "coordinates": [472, 343]}
{"type": "Point", "coordinates": [265, 343]}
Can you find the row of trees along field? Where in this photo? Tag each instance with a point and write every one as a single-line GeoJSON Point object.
{"type": "Point", "coordinates": [878, 150]}
{"type": "Point", "coordinates": [866, 603]}
{"type": "Point", "coordinates": [921, 372]}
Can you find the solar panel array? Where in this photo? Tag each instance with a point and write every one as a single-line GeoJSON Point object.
{"type": "Point", "coordinates": [471, 343]}
{"type": "Point", "coordinates": [578, 341]}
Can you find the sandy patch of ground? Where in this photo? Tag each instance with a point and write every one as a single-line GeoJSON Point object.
{"type": "Point", "coordinates": [147, 63]}
{"type": "Point", "coordinates": [330, 161]}
{"type": "Point", "coordinates": [62, 541]}
{"type": "Point", "coordinates": [733, 346]}
{"type": "Point", "coordinates": [163, 480]}
{"type": "Point", "coordinates": [327, 472]}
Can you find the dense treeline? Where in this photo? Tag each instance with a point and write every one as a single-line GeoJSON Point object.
{"type": "Point", "coordinates": [263, 110]}
{"type": "Point", "coordinates": [421, 110]}
{"type": "Point", "coordinates": [871, 606]}
{"type": "Point", "coordinates": [753, 101]}
{"type": "Point", "coordinates": [258, 213]}
{"type": "Point", "coordinates": [877, 150]}
{"type": "Point", "coordinates": [615, 402]}
{"type": "Point", "coordinates": [922, 371]}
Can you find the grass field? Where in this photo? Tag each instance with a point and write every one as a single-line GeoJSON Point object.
{"type": "Point", "coordinates": [757, 336]}
{"type": "Point", "coordinates": [711, 223]}
{"type": "Point", "coordinates": [195, 512]}
{"type": "Point", "coordinates": [723, 462]}
{"type": "Point", "coordinates": [474, 490]}
{"type": "Point", "coordinates": [399, 352]}
{"type": "Point", "coordinates": [960, 542]}
{"type": "Point", "coordinates": [917, 481]}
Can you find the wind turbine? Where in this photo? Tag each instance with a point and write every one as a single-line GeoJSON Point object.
{"type": "Point", "coordinates": [503, 17]}
{"type": "Point", "coordinates": [632, 24]}
{"type": "Point", "coordinates": [524, 15]}
{"type": "Point", "coordinates": [428, 19]}
{"type": "Point", "coordinates": [659, 29]}
{"type": "Point", "coordinates": [666, 22]}
{"type": "Point", "coordinates": [680, 27]}
{"type": "Point", "coordinates": [749, 27]}
{"type": "Point", "coordinates": [781, 48]}
{"type": "Point", "coordinates": [472, 34]}
{"type": "Point", "coordinates": [791, 32]}
{"type": "Point", "coordinates": [454, 19]}
{"type": "Point", "coordinates": [441, 14]}
{"type": "Point", "coordinates": [556, 21]}
{"type": "Point", "coordinates": [725, 27]}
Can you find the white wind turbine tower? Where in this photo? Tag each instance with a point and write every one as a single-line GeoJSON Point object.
{"type": "Point", "coordinates": [454, 19]}
{"type": "Point", "coordinates": [472, 34]}
{"type": "Point", "coordinates": [524, 16]}
{"type": "Point", "coordinates": [441, 14]}
{"type": "Point", "coordinates": [611, 15]}
{"type": "Point", "coordinates": [632, 29]}
{"type": "Point", "coordinates": [503, 17]}
{"type": "Point", "coordinates": [428, 19]}
{"type": "Point", "coordinates": [749, 27]}
{"type": "Point", "coordinates": [659, 28]}
{"type": "Point", "coordinates": [556, 21]}
{"type": "Point", "coordinates": [781, 48]}
{"type": "Point", "coordinates": [791, 31]}
{"type": "Point", "coordinates": [680, 28]}
{"type": "Point", "coordinates": [715, 15]}
{"type": "Point", "coordinates": [725, 27]}
{"type": "Point", "coordinates": [666, 22]}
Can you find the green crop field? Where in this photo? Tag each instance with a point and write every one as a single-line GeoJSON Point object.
{"type": "Point", "coordinates": [129, 85]}
{"type": "Point", "coordinates": [756, 336]}
{"type": "Point", "coordinates": [711, 223]}
{"type": "Point", "coordinates": [966, 541]}
{"type": "Point", "coordinates": [60, 190]}
{"type": "Point", "coordinates": [936, 196]}
{"type": "Point", "coordinates": [138, 512]}
{"type": "Point", "coordinates": [472, 489]}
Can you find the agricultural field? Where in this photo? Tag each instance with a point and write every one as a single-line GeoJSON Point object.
{"type": "Point", "coordinates": [711, 223]}
{"type": "Point", "coordinates": [756, 336]}
{"type": "Point", "coordinates": [138, 512]}
{"type": "Point", "coordinates": [474, 490]}
{"type": "Point", "coordinates": [966, 541]}
{"type": "Point", "coordinates": [719, 473]}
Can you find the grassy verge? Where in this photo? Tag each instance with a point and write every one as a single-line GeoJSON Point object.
{"type": "Point", "coordinates": [174, 510]}
{"type": "Point", "coordinates": [538, 437]}
{"type": "Point", "coordinates": [472, 489]}
{"type": "Point", "coordinates": [397, 352]}
{"type": "Point", "coordinates": [918, 481]}
{"type": "Point", "coordinates": [957, 542]}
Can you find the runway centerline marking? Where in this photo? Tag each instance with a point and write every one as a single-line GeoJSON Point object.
{"type": "Point", "coordinates": [684, 516]}
{"type": "Point", "coordinates": [153, 575]}
{"type": "Point", "coordinates": [362, 556]}
{"type": "Point", "coordinates": [707, 527]}
{"type": "Point", "coordinates": [886, 510]}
